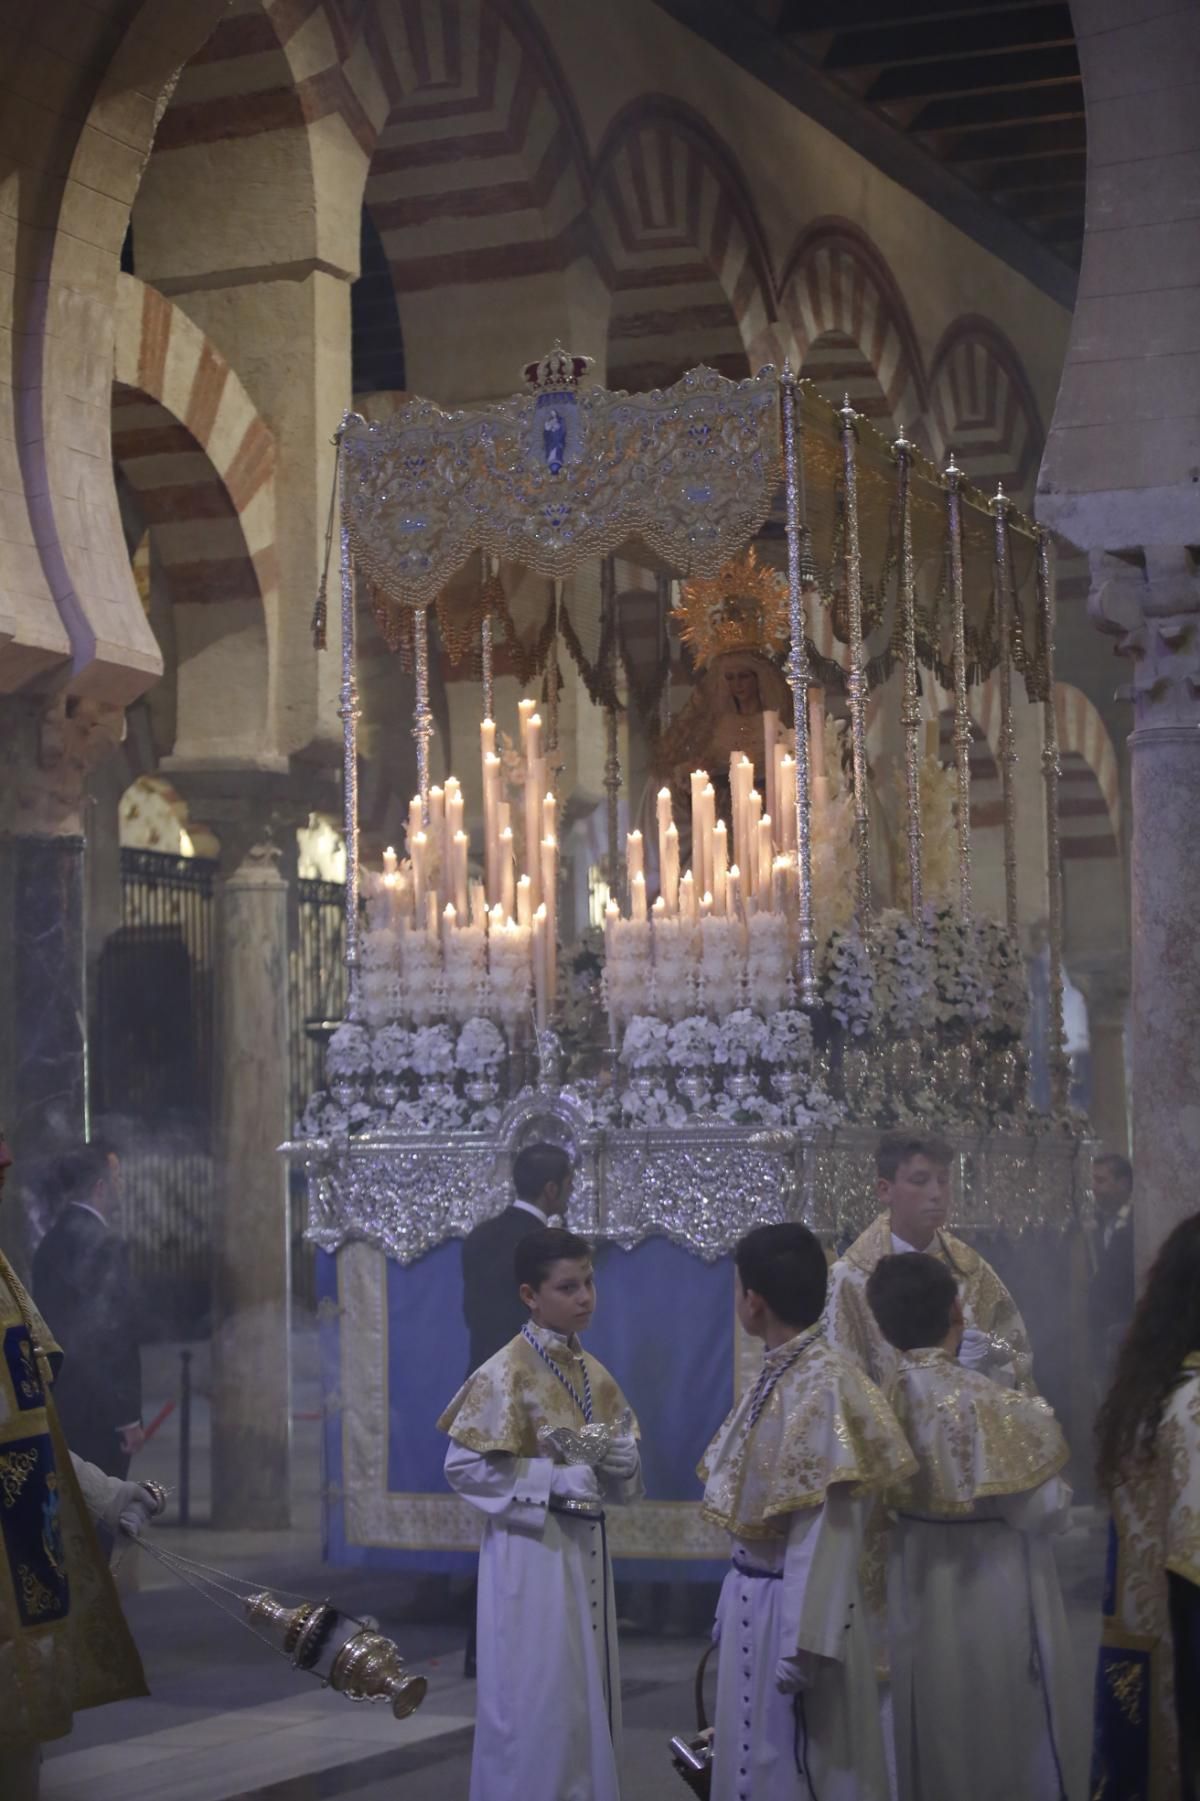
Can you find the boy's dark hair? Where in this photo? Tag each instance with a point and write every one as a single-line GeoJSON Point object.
{"type": "Point", "coordinates": [786, 1266]}
{"type": "Point", "coordinates": [544, 1246]}
{"type": "Point", "coordinates": [536, 1166]}
{"type": "Point", "coordinates": [912, 1297]}
{"type": "Point", "coordinates": [1120, 1166]}
{"type": "Point", "coordinates": [897, 1148]}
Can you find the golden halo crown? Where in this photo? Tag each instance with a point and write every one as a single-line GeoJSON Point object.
{"type": "Point", "coordinates": [558, 371]}
{"type": "Point", "coordinates": [744, 607]}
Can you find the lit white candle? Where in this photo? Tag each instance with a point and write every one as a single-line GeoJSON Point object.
{"type": "Point", "coordinates": [535, 784]}
{"type": "Point", "coordinates": [390, 861]}
{"type": "Point", "coordinates": [549, 856]}
{"type": "Point", "coordinates": [449, 920]}
{"type": "Point", "coordinates": [706, 905]}
{"type": "Point", "coordinates": [479, 910]}
{"type": "Point", "coordinates": [525, 902]}
{"type": "Point", "coordinates": [708, 820]}
{"type": "Point", "coordinates": [637, 897]}
{"type": "Point", "coordinates": [687, 896]}
{"type": "Point", "coordinates": [506, 871]}
{"type": "Point", "coordinates": [491, 825]}
{"type": "Point", "coordinates": [415, 822]}
{"type": "Point", "coordinates": [770, 721]}
{"type": "Point", "coordinates": [539, 967]}
{"type": "Point", "coordinates": [720, 870]}
{"type": "Point", "coordinates": [787, 803]}
{"type": "Point", "coordinates": [418, 851]}
{"type": "Point", "coordinates": [765, 859]}
{"type": "Point", "coordinates": [533, 736]}
{"type": "Point", "coordinates": [733, 893]}
{"type": "Point", "coordinates": [459, 849]}
{"type": "Point", "coordinates": [699, 781]}
{"type": "Point", "coordinates": [487, 737]}
{"type": "Point", "coordinates": [670, 868]}
{"type": "Point", "coordinates": [549, 816]}
{"type": "Point", "coordinates": [635, 862]}
{"type": "Point", "coordinates": [753, 812]}
{"type": "Point", "coordinates": [525, 710]}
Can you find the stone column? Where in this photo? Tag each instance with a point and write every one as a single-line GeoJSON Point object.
{"type": "Point", "coordinates": [47, 748]}
{"type": "Point", "coordinates": [1155, 614]}
{"type": "Point", "coordinates": [251, 1281]}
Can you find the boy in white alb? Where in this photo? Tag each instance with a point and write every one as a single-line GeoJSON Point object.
{"type": "Point", "coordinates": [548, 1704]}
{"type": "Point", "coordinates": [984, 1690]}
{"type": "Point", "coordinates": [913, 1186]}
{"type": "Point", "coordinates": [797, 1715]}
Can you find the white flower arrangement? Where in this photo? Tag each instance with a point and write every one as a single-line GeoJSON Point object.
{"type": "Point", "coordinates": [692, 1043]}
{"type": "Point", "coordinates": [433, 1051]}
{"type": "Point", "coordinates": [1005, 968]}
{"type": "Point", "coordinates": [741, 1038]}
{"type": "Point", "coordinates": [349, 1052]}
{"type": "Point", "coordinates": [847, 981]}
{"type": "Point", "coordinates": [962, 999]}
{"type": "Point", "coordinates": [747, 1110]}
{"type": "Point", "coordinates": [481, 1048]}
{"type": "Point", "coordinates": [391, 1051]}
{"type": "Point", "coordinates": [656, 1108]}
{"type": "Point", "coordinates": [645, 1044]}
{"type": "Point", "coordinates": [788, 1042]}
{"type": "Point", "coordinates": [904, 989]}
{"type": "Point", "coordinates": [627, 969]}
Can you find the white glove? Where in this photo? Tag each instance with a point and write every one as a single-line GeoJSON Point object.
{"type": "Point", "coordinates": [574, 1482]}
{"type": "Point", "coordinates": [139, 1509]}
{"type": "Point", "coordinates": [794, 1674]}
{"type": "Point", "coordinates": [620, 1461]}
{"type": "Point", "coordinates": [110, 1500]}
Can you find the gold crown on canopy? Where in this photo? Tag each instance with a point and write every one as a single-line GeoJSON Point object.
{"type": "Point", "coordinates": [744, 607]}
{"type": "Point", "coordinates": [558, 371]}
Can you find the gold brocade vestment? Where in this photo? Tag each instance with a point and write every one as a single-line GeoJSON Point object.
{"type": "Point", "coordinates": [503, 1404]}
{"type": "Point", "coordinates": [823, 1423]}
{"type": "Point", "coordinates": [973, 1440]}
{"type": "Point", "coordinates": [987, 1304]}
{"type": "Point", "coordinates": [64, 1644]}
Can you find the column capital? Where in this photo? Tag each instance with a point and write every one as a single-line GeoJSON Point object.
{"type": "Point", "coordinates": [1152, 608]}
{"type": "Point", "coordinates": [48, 746]}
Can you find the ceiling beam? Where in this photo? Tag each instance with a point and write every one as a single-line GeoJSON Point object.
{"type": "Point", "coordinates": [734, 31]}
{"type": "Point", "coordinates": [1061, 202]}
{"type": "Point", "coordinates": [800, 18]}
{"type": "Point", "coordinates": [1001, 145]}
{"type": "Point", "coordinates": [1012, 106]}
{"type": "Point", "coordinates": [974, 74]}
{"type": "Point", "coordinates": [976, 34]}
{"type": "Point", "coordinates": [1028, 178]}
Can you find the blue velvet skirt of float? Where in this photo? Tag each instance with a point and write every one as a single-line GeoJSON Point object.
{"type": "Point", "coordinates": [64, 1644]}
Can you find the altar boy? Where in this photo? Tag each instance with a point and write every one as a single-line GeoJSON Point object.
{"type": "Point", "coordinates": [797, 1715]}
{"type": "Point", "coordinates": [548, 1705]}
{"type": "Point", "coordinates": [983, 1688]}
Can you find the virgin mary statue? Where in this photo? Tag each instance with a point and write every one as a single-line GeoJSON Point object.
{"type": "Point", "coordinates": [736, 627]}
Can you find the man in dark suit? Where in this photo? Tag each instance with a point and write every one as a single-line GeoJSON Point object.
{"type": "Point", "coordinates": [85, 1291]}
{"type": "Point", "coordinates": [1111, 1291]}
{"type": "Point", "coordinates": [492, 1307]}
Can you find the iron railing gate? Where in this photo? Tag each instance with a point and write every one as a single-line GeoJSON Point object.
{"type": "Point", "coordinates": [153, 1076]}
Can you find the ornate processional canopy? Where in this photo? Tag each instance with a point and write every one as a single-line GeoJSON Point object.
{"type": "Point", "coordinates": [557, 476]}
